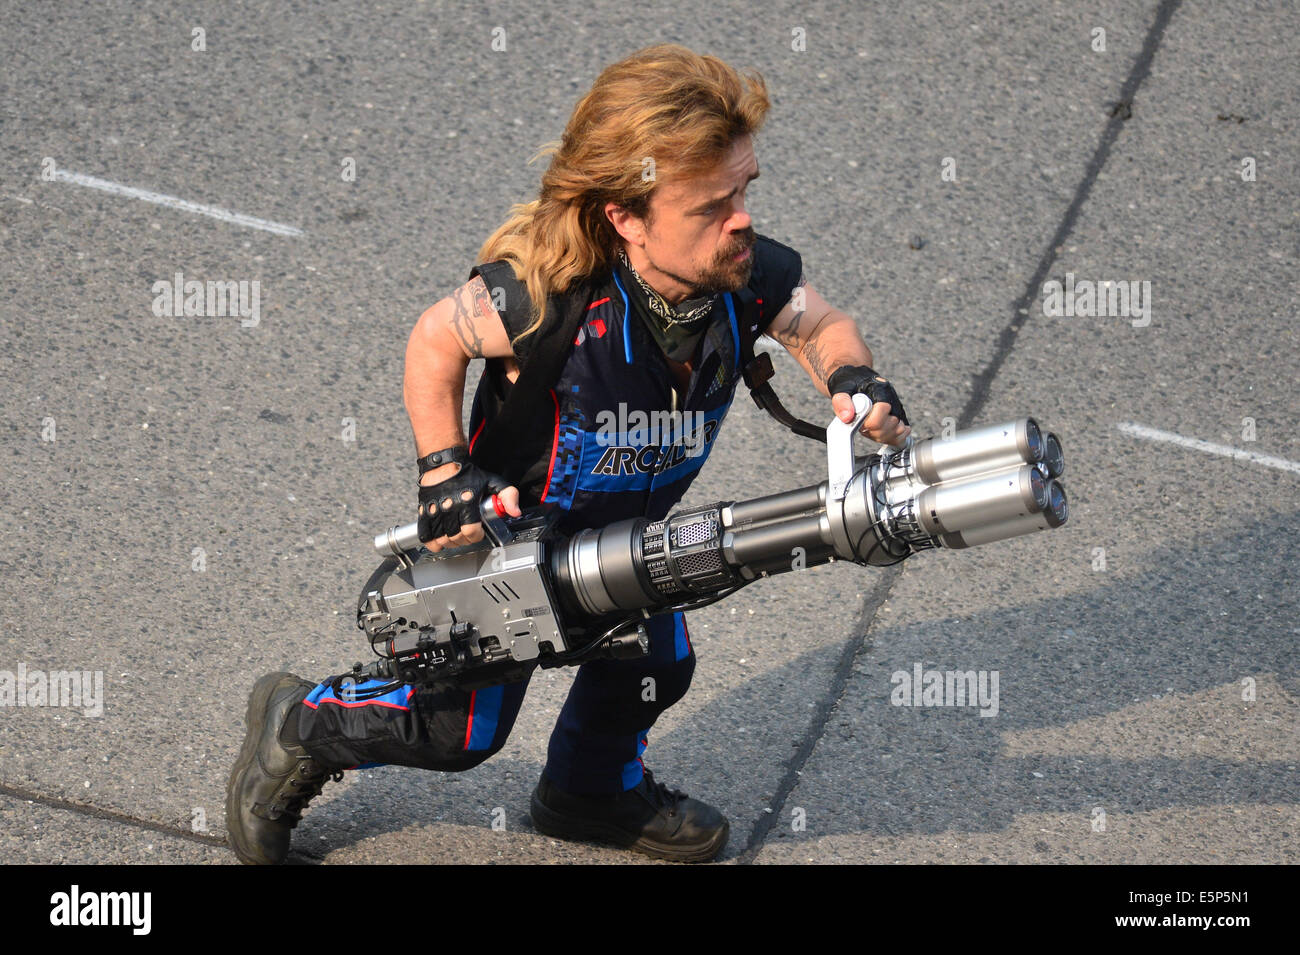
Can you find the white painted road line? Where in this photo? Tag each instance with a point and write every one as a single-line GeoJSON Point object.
{"type": "Point", "coordinates": [1154, 434]}
{"type": "Point", "coordinates": [172, 202]}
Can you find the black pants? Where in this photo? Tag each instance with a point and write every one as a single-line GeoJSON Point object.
{"type": "Point", "coordinates": [596, 746]}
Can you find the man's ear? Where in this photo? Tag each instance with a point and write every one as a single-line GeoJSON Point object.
{"type": "Point", "coordinates": [627, 225]}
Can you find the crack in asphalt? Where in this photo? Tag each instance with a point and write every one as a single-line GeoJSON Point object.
{"type": "Point", "coordinates": [1020, 309]}
{"type": "Point", "coordinates": [981, 386]}
{"type": "Point", "coordinates": [296, 855]}
{"type": "Point", "coordinates": [110, 815]}
{"type": "Point", "coordinates": [822, 715]}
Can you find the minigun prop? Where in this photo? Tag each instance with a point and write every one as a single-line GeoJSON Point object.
{"type": "Point", "coordinates": [527, 596]}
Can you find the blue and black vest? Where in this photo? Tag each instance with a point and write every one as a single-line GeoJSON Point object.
{"type": "Point", "coordinates": [615, 443]}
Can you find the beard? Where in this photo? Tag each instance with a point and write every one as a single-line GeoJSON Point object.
{"type": "Point", "coordinates": [724, 274]}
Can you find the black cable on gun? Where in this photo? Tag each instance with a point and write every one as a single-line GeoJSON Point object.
{"type": "Point", "coordinates": [871, 528]}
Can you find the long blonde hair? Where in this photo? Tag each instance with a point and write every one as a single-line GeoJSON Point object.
{"type": "Point", "coordinates": [664, 109]}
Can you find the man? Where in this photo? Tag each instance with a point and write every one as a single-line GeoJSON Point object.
{"type": "Point", "coordinates": [641, 221]}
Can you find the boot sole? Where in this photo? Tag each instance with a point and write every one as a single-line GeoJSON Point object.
{"type": "Point", "coordinates": [551, 823]}
{"type": "Point", "coordinates": [257, 702]}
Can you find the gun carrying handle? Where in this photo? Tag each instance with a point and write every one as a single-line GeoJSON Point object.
{"type": "Point", "coordinates": [840, 461]}
{"type": "Point", "coordinates": [839, 447]}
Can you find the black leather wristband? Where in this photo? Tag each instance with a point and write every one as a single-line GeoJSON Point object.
{"type": "Point", "coordinates": [457, 454]}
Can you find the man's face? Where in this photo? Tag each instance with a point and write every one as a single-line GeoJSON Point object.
{"type": "Point", "coordinates": [696, 228]}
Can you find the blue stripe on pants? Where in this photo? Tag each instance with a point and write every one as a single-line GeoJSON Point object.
{"type": "Point", "coordinates": [635, 770]}
{"type": "Point", "coordinates": [484, 713]}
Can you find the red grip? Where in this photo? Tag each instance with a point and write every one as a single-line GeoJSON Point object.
{"type": "Point", "coordinates": [499, 507]}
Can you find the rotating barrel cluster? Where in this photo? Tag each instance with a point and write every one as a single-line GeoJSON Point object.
{"type": "Point", "coordinates": [979, 486]}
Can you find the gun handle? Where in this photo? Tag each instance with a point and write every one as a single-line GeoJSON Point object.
{"type": "Point", "coordinates": [839, 447]}
{"type": "Point", "coordinates": [494, 525]}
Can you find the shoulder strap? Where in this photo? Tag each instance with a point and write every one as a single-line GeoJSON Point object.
{"type": "Point", "coordinates": [516, 309]}
{"type": "Point", "coordinates": [757, 370]}
{"type": "Point", "coordinates": [548, 349]}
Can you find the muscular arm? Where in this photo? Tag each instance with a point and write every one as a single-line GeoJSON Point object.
{"type": "Point", "coordinates": [819, 337]}
{"type": "Point", "coordinates": [822, 339]}
{"type": "Point", "coordinates": [459, 328]}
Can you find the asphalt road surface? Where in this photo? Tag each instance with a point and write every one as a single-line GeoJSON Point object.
{"type": "Point", "coordinates": [187, 503]}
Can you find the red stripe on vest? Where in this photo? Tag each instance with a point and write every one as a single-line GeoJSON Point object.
{"type": "Point", "coordinates": [555, 444]}
{"type": "Point", "coordinates": [476, 434]}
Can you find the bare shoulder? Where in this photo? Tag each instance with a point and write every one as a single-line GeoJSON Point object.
{"type": "Point", "coordinates": [472, 321]}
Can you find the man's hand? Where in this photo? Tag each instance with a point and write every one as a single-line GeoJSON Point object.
{"type": "Point", "coordinates": [448, 504]}
{"type": "Point", "coordinates": [887, 421]}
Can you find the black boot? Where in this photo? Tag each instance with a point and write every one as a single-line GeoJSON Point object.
{"type": "Point", "coordinates": [649, 818]}
{"type": "Point", "coordinates": [274, 778]}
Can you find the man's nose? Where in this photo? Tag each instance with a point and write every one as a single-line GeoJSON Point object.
{"type": "Point", "coordinates": [740, 220]}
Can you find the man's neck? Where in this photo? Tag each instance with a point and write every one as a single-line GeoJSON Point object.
{"type": "Point", "coordinates": [672, 291]}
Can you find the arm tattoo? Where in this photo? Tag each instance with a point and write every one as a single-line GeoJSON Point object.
{"type": "Point", "coordinates": [463, 321]}
{"type": "Point", "coordinates": [816, 361]}
{"type": "Point", "coordinates": [789, 336]}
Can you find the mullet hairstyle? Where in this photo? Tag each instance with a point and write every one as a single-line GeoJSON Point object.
{"type": "Point", "coordinates": [663, 112]}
